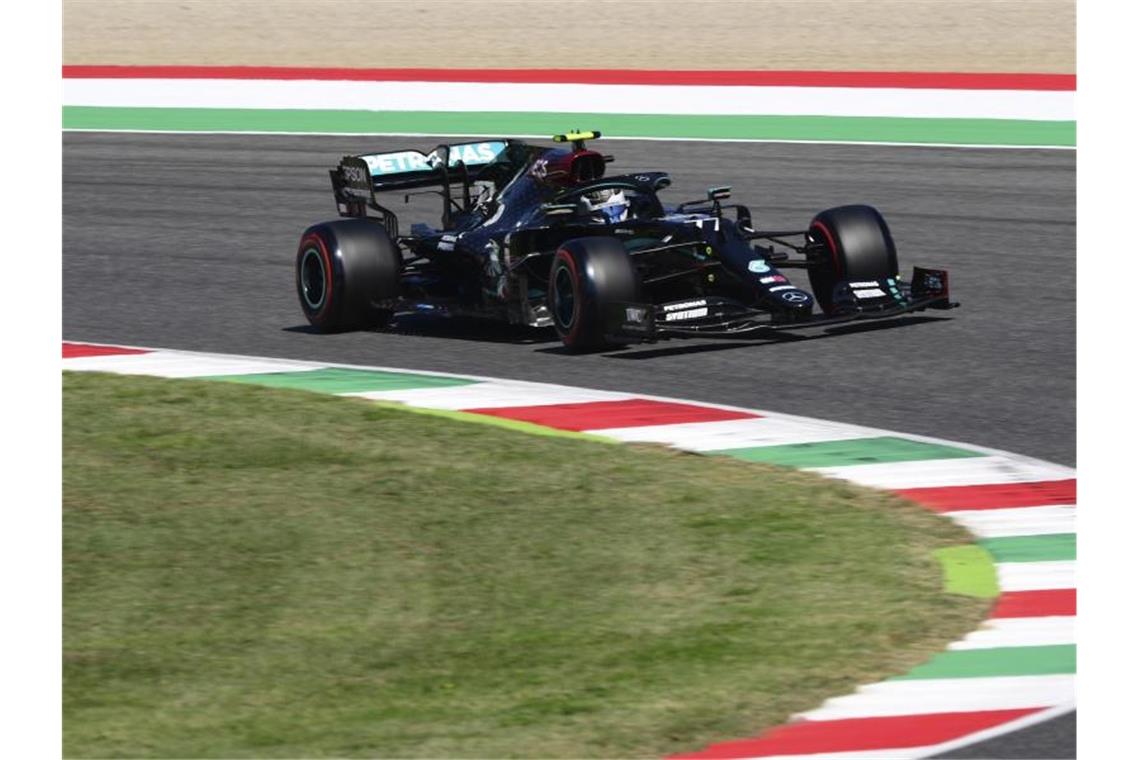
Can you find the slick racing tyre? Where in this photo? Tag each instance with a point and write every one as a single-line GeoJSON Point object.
{"type": "Point", "coordinates": [346, 271]}
{"type": "Point", "coordinates": [860, 248]}
{"type": "Point", "coordinates": [587, 276]}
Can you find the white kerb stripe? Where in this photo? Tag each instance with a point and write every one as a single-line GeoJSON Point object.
{"type": "Point", "coordinates": [1021, 632]}
{"type": "Point", "coordinates": [1019, 521]}
{"type": "Point", "coordinates": [933, 473]}
{"type": "Point", "coordinates": [736, 434]}
{"type": "Point", "coordinates": [489, 395]}
{"type": "Point", "coordinates": [583, 98]}
{"type": "Point", "coordinates": [175, 364]}
{"type": "Point", "coordinates": [1036, 576]}
{"type": "Point", "coordinates": [937, 695]}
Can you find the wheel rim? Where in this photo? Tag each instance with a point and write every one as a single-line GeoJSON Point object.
{"type": "Point", "coordinates": [563, 297]}
{"type": "Point", "coordinates": [313, 279]}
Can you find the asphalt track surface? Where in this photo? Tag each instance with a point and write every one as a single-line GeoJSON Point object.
{"type": "Point", "coordinates": [188, 241]}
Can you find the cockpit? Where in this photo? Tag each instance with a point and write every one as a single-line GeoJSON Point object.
{"type": "Point", "coordinates": [612, 201]}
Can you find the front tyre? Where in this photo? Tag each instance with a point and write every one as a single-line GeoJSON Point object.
{"type": "Point", "coordinates": [859, 245]}
{"type": "Point", "coordinates": [588, 276]}
{"type": "Point", "coordinates": [346, 272]}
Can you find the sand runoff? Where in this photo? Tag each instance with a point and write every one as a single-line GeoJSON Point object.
{"type": "Point", "coordinates": [827, 35]}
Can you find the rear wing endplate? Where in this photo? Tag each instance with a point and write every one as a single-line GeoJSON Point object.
{"type": "Point", "coordinates": [355, 192]}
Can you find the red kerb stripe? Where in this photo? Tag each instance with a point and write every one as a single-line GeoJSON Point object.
{"type": "Point", "coordinates": [1019, 604]}
{"type": "Point", "coordinates": [597, 415]}
{"type": "Point", "coordinates": [901, 79]}
{"type": "Point", "coordinates": [855, 734]}
{"type": "Point", "coordinates": [996, 496]}
{"type": "Point", "coordinates": [76, 350]}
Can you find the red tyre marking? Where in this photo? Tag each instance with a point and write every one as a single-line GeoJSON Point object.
{"type": "Point", "coordinates": [830, 244]}
{"type": "Point", "coordinates": [575, 320]}
{"type": "Point", "coordinates": [327, 258]}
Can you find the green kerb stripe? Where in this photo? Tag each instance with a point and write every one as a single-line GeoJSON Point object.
{"type": "Point", "coordinates": [738, 127]}
{"type": "Point", "coordinates": [968, 570]}
{"type": "Point", "coordinates": [1055, 547]}
{"type": "Point", "coordinates": [336, 380]}
{"type": "Point", "coordinates": [854, 451]}
{"type": "Point", "coordinates": [1002, 661]}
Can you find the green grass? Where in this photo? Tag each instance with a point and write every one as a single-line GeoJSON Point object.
{"type": "Point", "coordinates": [252, 572]}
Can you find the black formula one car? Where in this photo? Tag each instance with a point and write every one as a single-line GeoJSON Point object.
{"type": "Point", "coordinates": [542, 237]}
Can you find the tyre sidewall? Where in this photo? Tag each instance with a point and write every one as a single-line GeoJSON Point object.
{"type": "Point", "coordinates": [602, 274]}
{"type": "Point", "coordinates": [331, 307]}
{"type": "Point", "coordinates": [860, 245]}
{"type": "Point", "coordinates": [361, 266]}
{"type": "Point", "coordinates": [575, 332]}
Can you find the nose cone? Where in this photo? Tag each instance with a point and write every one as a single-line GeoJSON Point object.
{"type": "Point", "coordinates": [793, 298]}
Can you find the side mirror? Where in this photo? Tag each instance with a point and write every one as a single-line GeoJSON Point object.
{"type": "Point", "coordinates": [716, 195]}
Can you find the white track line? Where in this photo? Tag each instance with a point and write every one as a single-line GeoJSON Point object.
{"type": "Point", "coordinates": [938, 695]}
{"type": "Point", "coordinates": [1043, 105]}
{"type": "Point", "coordinates": [528, 136]}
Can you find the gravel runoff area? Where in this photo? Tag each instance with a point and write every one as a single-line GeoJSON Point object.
{"type": "Point", "coordinates": [877, 35]}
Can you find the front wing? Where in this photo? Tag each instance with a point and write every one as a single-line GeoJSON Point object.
{"type": "Point", "coordinates": [714, 317]}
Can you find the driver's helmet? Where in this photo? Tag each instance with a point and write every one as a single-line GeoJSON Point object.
{"type": "Point", "coordinates": [606, 205]}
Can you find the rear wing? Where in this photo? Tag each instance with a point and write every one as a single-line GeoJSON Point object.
{"type": "Point", "coordinates": [357, 179]}
{"type": "Point", "coordinates": [409, 168]}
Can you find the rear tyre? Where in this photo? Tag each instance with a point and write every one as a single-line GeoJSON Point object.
{"type": "Point", "coordinates": [860, 245]}
{"type": "Point", "coordinates": [346, 271]}
{"type": "Point", "coordinates": [587, 276]}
